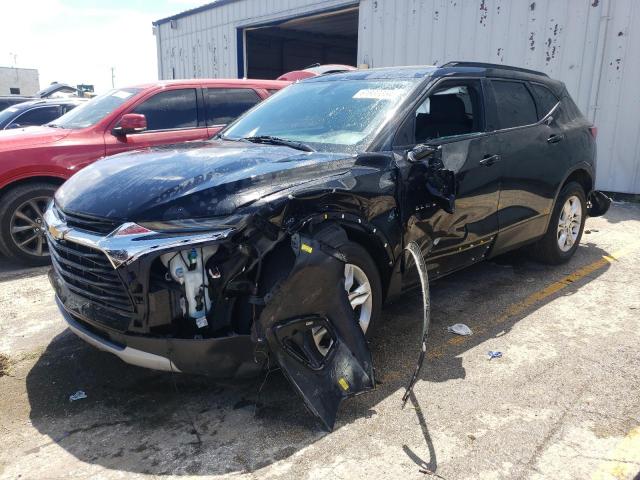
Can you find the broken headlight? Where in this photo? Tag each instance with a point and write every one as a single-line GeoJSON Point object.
{"type": "Point", "coordinates": [184, 225]}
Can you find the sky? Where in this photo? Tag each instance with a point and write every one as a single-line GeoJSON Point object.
{"type": "Point", "coordinates": [73, 41]}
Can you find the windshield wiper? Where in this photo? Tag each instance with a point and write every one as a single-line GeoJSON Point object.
{"type": "Point", "coordinates": [268, 139]}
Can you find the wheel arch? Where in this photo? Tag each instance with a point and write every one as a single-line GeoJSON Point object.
{"type": "Point", "coordinates": [363, 233]}
{"type": "Point", "coordinates": [54, 180]}
{"type": "Point", "coordinates": [375, 249]}
{"type": "Point", "coordinates": [581, 173]}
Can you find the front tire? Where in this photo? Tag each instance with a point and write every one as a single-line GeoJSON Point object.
{"type": "Point", "coordinates": [22, 235]}
{"type": "Point", "coordinates": [364, 288]}
{"type": "Point", "coordinates": [563, 235]}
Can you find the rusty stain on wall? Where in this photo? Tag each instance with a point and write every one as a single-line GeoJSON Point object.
{"type": "Point", "coordinates": [483, 13]}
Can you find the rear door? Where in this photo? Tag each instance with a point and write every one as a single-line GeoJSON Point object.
{"type": "Point", "coordinates": [452, 118]}
{"type": "Point", "coordinates": [173, 116]}
{"type": "Point", "coordinates": [533, 162]}
{"type": "Point", "coordinates": [223, 105]}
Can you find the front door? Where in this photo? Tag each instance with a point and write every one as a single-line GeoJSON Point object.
{"type": "Point", "coordinates": [452, 118]}
{"type": "Point", "coordinates": [172, 116]}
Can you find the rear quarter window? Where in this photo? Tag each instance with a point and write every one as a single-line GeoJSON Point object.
{"type": "Point", "coordinates": [514, 103]}
{"type": "Point", "coordinates": [545, 99]}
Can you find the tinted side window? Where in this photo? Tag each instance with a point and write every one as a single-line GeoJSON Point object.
{"type": "Point", "coordinates": [69, 107]}
{"type": "Point", "coordinates": [514, 103]}
{"type": "Point", "coordinates": [452, 109]}
{"type": "Point", "coordinates": [170, 110]}
{"type": "Point", "coordinates": [226, 104]}
{"type": "Point", "coordinates": [545, 99]}
{"type": "Point", "coordinates": [37, 116]}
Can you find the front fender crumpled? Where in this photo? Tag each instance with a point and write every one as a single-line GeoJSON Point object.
{"type": "Point", "coordinates": [313, 296]}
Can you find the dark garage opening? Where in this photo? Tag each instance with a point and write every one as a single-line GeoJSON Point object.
{"type": "Point", "coordinates": [298, 43]}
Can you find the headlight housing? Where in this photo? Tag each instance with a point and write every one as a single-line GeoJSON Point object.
{"type": "Point", "coordinates": [185, 225]}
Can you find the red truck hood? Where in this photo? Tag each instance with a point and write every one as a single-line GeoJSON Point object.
{"type": "Point", "coordinates": [24, 137]}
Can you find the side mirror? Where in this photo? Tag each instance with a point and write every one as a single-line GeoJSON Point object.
{"type": "Point", "coordinates": [440, 183]}
{"type": "Point", "coordinates": [130, 123]}
{"type": "Point", "coordinates": [420, 152]}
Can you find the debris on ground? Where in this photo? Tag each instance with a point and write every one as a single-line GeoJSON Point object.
{"type": "Point", "coordinates": [5, 364]}
{"type": "Point", "coordinates": [493, 354]}
{"type": "Point", "coordinates": [459, 329]}
{"type": "Point", "coordinates": [79, 395]}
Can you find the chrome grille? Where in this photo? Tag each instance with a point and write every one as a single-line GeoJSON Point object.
{"type": "Point", "coordinates": [88, 223]}
{"type": "Point", "coordinates": [88, 273]}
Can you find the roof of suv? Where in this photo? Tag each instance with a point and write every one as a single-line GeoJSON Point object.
{"type": "Point", "coordinates": [467, 69]}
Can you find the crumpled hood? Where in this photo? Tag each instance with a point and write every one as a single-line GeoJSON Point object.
{"type": "Point", "coordinates": [191, 180]}
{"type": "Point", "coordinates": [29, 136]}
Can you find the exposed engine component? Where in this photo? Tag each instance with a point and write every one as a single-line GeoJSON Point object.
{"type": "Point", "coordinates": [187, 267]}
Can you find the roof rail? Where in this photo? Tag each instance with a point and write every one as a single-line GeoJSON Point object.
{"type": "Point", "coordinates": [497, 66]}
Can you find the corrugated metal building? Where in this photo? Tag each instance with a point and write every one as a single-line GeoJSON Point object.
{"type": "Point", "coordinates": [591, 45]}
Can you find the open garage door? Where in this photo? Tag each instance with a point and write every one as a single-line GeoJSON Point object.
{"type": "Point", "coordinates": [294, 44]}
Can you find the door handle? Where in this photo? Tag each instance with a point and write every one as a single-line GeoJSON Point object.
{"type": "Point", "coordinates": [489, 160]}
{"type": "Point", "coordinates": [555, 138]}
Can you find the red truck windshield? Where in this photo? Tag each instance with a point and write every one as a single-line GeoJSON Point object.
{"type": "Point", "coordinates": [95, 110]}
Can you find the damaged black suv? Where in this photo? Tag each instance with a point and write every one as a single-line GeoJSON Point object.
{"type": "Point", "coordinates": [279, 239]}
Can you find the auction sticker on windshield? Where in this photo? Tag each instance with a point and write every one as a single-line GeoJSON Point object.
{"type": "Point", "coordinates": [121, 94]}
{"type": "Point", "coordinates": [379, 93]}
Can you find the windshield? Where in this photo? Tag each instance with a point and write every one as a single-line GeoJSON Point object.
{"type": "Point", "coordinates": [96, 109]}
{"type": "Point", "coordinates": [338, 116]}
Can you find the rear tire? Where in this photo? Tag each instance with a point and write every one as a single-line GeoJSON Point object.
{"type": "Point", "coordinates": [564, 232]}
{"type": "Point", "coordinates": [21, 223]}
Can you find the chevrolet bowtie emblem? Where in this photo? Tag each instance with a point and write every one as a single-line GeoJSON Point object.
{"type": "Point", "coordinates": [58, 232]}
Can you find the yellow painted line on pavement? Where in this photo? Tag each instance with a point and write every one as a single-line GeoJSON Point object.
{"type": "Point", "coordinates": [538, 296]}
{"type": "Point", "coordinates": [623, 462]}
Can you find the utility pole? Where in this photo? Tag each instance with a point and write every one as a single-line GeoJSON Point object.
{"type": "Point", "coordinates": [113, 77]}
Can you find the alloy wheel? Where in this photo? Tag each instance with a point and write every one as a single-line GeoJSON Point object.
{"type": "Point", "coordinates": [569, 223]}
{"type": "Point", "coordinates": [358, 288]}
{"type": "Point", "coordinates": [27, 227]}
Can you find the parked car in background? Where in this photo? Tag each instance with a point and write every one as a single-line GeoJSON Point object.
{"type": "Point", "coordinates": [284, 235]}
{"type": "Point", "coordinates": [55, 90]}
{"type": "Point", "coordinates": [314, 71]}
{"type": "Point", "coordinates": [36, 112]}
{"type": "Point", "coordinates": [7, 101]}
{"type": "Point", "coordinates": [36, 160]}
{"type": "Point", "coordinates": [59, 90]}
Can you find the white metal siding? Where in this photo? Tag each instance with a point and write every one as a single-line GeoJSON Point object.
{"type": "Point", "coordinates": [204, 44]}
{"type": "Point", "coordinates": [593, 46]}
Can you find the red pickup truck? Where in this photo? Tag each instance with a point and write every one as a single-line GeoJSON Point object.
{"type": "Point", "coordinates": [34, 161]}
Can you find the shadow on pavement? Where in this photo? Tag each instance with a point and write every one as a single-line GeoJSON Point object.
{"type": "Point", "coordinates": [136, 420]}
{"type": "Point", "coordinates": [10, 270]}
